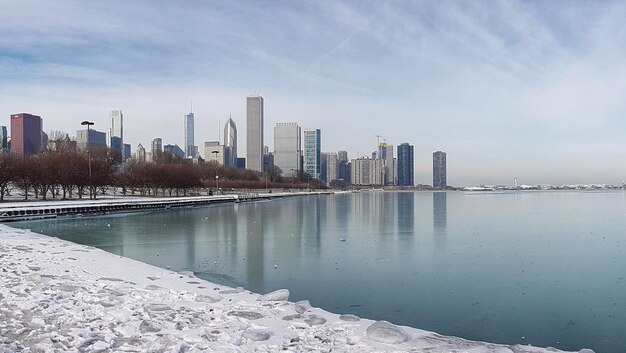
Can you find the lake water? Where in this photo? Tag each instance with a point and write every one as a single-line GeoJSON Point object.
{"type": "Point", "coordinates": [541, 268]}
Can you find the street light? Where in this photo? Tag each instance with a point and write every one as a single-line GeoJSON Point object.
{"type": "Point", "coordinates": [267, 172]}
{"type": "Point", "coordinates": [88, 124]}
{"type": "Point", "coordinates": [217, 181]}
{"type": "Point", "coordinates": [216, 176]}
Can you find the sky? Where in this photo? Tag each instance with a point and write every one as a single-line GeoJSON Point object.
{"type": "Point", "coordinates": [526, 89]}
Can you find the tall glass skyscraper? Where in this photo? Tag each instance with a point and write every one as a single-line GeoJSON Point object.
{"type": "Point", "coordinates": [405, 165]}
{"type": "Point", "coordinates": [189, 141]}
{"type": "Point", "coordinates": [117, 130]}
{"type": "Point", "coordinates": [439, 170]}
{"type": "Point", "coordinates": [4, 143]}
{"type": "Point", "coordinates": [230, 143]}
{"type": "Point", "coordinates": [312, 152]}
{"type": "Point", "coordinates": [254, 133]}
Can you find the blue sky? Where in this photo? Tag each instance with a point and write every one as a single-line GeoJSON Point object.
{"type": "Point", "coordinates": [533, 89]}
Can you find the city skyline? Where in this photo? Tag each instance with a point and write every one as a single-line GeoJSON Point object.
{"type": "Point", "coordinates": [515, 89]}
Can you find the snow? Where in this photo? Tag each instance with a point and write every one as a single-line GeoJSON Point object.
{"type": "Point", "coordinates": [60, 296]}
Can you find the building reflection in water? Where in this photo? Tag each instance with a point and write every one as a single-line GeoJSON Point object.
{"type": "Point", "coordinates": [406, 213]}
{"type": "Point", "coordinates": [440, 213]}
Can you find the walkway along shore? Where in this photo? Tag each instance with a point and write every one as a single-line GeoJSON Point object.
{"type": "Point", "coordinates": [58, 296]}
{"type": "Point", "coordinates": [20, 211]}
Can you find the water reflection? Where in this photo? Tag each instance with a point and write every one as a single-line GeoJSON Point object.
{"type": "Point", "coordinates": [406, 213]}
{"type": "Point", "coordinates": [440, 213]}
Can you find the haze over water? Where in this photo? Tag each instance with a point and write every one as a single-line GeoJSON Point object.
{"type": "Point", "coordinates": [541, 268]}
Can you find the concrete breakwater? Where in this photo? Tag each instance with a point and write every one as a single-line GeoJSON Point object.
{"type": "Point", "coordinates": [20, 211]}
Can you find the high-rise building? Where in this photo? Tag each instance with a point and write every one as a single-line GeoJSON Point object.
{"type": "Point", "coordinates": [189, 140]}
{"type": "Point", "coordinates": [405, 165]}
{"type": "Point", "coordinates": [312, 151]}
{"type": "Point", "coordinates": [342, 156]}
{"type": "Point", "coordinates": [344, 172]}
{"type": "Point", "coordinates": [366, 171]}
{"type": "Point", "coordinates": [126, 155]}
{"type": "Point", "coordinates": [332, 167]}
{"type": "Point", "coordinates": [4, 140]}
{"type": "Point", "coordinates": [287, 148]}
{"type": "Point", "coordinates": [26, 134]}
{"type": "Point", "coordinates": [213, 151]}
{"type": "Point", "coordinates": [95, 139]}
{"type": "Point", "coordinates": [254, 133]}
{"type": "Point", "coordinates": [385, 153]}
{"type": "Point", "coordinates": [117, 130]}
{"type": "Point", "coordinates": [439, 170]}
{"type": "Point", "coordinates": [175, 151]}
{"type": "Point", "coordinates": [157, 149]}
{"type": "Point", "coordinates": [230, 143]}
{"type": "Point", "coordinates": [141, 154]}
{"type": "Point", "coordinates": [323, 167]}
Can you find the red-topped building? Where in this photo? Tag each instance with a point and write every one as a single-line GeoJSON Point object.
{"type": "Point", "coordinates": [25, 134]}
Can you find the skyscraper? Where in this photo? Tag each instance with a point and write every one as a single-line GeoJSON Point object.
{"type": "Point", "coordinates": [117, 130]}
{"type": "Point", "coordinates": [405, 165]}
{"type": "Point", "coordinates": [439, 170]}
{"type": "Point", "coordinates": [141, 154]}
{"type": "Point", "coordinates": [385, 153]}
{"type": "Point", "coordinates": [92, 138]}
{"type": "Point", "coordinates": [230, 143]}
{"type": "Point", "coordinates": [254, 133]}
{"type": "Point", "coordinates": [342, 156]}
{"type": "Point", "coordinates": [332, 167]}
{"type": "Point", "coordinates": [189, 140]}
{"type": "Point", "coordinates": [213, 151]}
{"type": "Point", "coordinates": [26, 134]}
{"type": "Point", "coordinates": [312, 152]}
{"type": "Point", "coordinates": [157, 149]}
{"type": "Point", "coordinates": [366, 171]}
{"type": "Point", "coordinates": [287, 148]}
{"type": "Point", "coordinates": [4, 140]}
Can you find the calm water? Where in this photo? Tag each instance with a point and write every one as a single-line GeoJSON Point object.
{"type": "Point", "coordinates": [547, 266]}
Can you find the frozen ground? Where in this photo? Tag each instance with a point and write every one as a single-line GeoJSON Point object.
{"type": "Point", "coordinates": [57, 296]}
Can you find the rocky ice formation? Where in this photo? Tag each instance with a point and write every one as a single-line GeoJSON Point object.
{"type": "Point", "coordinates": [57, 296]}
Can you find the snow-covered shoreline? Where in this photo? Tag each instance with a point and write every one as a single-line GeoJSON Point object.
{"type": "Point", "coordinates": [60, 296]}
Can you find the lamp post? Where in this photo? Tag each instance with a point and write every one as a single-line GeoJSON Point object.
{"type": "Point", "coordinates": [267, 173]}
{"type": "Point", "coordinates": [217, 182]}
{"type": "Point", "coordinates": [88, 124]}
{"type": "Point", "coordinates": [215, 152]}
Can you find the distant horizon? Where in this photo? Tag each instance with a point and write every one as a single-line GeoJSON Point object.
{"type": "Point", "coordinates": [531, 90]}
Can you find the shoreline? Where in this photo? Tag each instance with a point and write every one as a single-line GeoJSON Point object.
{"type": "Point", "coordinates": [58, 295]}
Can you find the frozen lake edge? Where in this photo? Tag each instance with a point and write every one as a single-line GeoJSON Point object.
{"type": "Point", "coordinates": [60, 296]}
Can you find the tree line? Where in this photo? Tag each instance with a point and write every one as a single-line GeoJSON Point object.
{"type": "Point", "coordinates": [65, 174]}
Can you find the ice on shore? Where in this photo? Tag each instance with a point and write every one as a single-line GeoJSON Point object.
{"type": "Point", "coordinates": [60, 296]}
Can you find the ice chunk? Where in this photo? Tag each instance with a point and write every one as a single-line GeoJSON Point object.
{"type": "Point", "coordinates": [206, 299]}
{"type": "Point", "coordinates": [149, 326]}
{"type": "Point", "coordinates": [277, 295]}
{"type": "Point", "coordinates": [586, 350]}
{"type": "Point", "coordinates": [187, 273]}
{"type": "Point", "coordinates": [302, 306]}
{"type": "Point", "coordinates": [385, 332]}
{"type": "Point", "coordinates": [256, 335]}
{"type": "Point", "coordinates": [314, 320]}
{"type": "Point", "coordinates": [349, 317]}
{"type": "Point", "coordinates": [250, 315]}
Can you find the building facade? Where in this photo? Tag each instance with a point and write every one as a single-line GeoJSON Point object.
{"type": "Point", "coordinates": [342, 156]}
{"type": "Point", "coordinates": [439, 170]}
{"type": "Point", "coordinates": [117, 130]}
{"type": "Point", "coordinates": [405, 165]}
{"type": "Point", "coordinates": [385, 153]}
{"type": "Point", "coordinates": [189, 136]}
{"type": "Point", "coordinates": [127, 153]}
{"type": "Point", "coordinates": [92, 138]}
{"type": "Point", "coordinates": [332, 167]}
{"type": "Point", "coordinates": [213, 151]}
{"type": "Point", "coordinates": [175, 150]}
{"type": "Point", "coordinates": [156, 149]}
{"type": "Point", "coordinates": [141, 154]}
{"type": "Point", "coordinates": [312, 139]}
{"type": "Point", "coordinates": [230, 143]}
{"type": "Point", "coordinates": [26, 134]}
{"type": "Point", "coordinates": [254, 133]}
{"type": "Point", "coordinates": [287, 148]}
{"type": "Point", "coordinates": [367, 171]}
{"type": "Point", "coordinates": [4, 140]}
